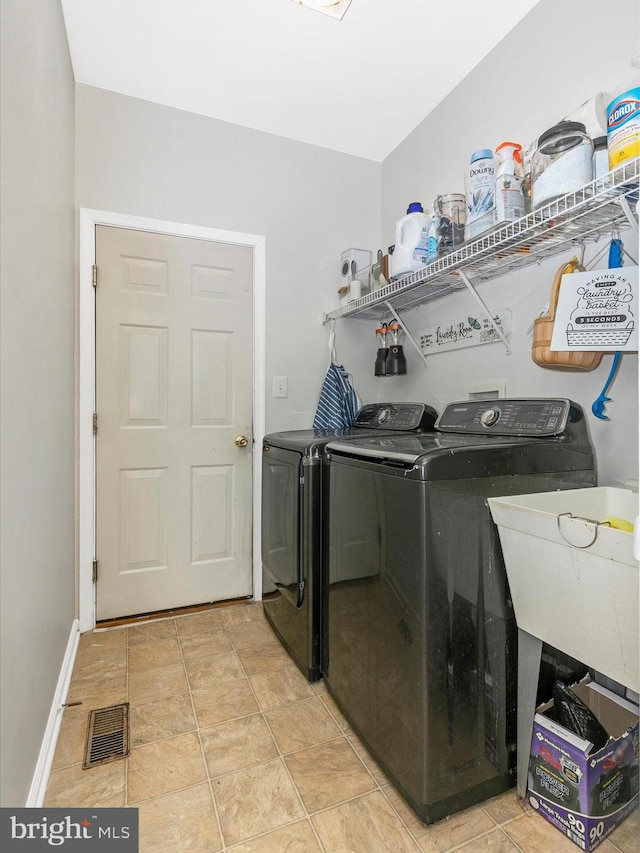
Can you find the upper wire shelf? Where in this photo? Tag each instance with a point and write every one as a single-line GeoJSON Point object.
{"type": "Point", "coordinates": [588, 213]}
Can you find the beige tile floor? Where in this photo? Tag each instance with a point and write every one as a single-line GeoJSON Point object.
{"type": "Point", "coordinates": [233, 750]}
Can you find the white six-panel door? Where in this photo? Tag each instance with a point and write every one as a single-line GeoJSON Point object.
{"type": "Point", "coordinates": [173, 393]}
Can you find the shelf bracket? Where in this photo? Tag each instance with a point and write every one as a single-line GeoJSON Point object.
{"type": "Point", "coordinates": [624, 204]}
{"type": "Point", "coordinates": [496, 327]}
{"type": "Point", "coordinates": [407, 332]}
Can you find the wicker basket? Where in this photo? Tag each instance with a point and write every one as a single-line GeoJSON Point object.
{"type": "Point", "coordinates": [543, 332]}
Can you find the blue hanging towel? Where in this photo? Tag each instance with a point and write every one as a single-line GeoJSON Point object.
{"type": "Point", "coordinates": [338, 404]}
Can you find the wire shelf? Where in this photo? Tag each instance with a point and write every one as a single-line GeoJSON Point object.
{"type": "Point", "coordinates": [584, 215]}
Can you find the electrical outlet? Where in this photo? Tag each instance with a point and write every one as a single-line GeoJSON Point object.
{"type": "Point", "coordinates": [280, 386]}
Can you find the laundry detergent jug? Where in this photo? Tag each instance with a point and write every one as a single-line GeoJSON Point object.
{"type": "Point", "coordinates": [411, 250]}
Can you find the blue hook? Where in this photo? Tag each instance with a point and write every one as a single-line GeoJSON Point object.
{"type": "Point", "coordinates": [615, 260]}
{"type": "Point", "coordinates": [615, 253]}
{"type": "Point", "coordinates": [598, 406]}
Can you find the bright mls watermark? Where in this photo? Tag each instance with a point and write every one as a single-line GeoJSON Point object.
{"type": "Point", "coordinates": [83, 830]}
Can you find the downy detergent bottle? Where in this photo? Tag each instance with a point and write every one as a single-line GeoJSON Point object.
{"type": "Point", "coordinates": [479, 185]}
{"type": "Point", "coordinates": [412, 241]}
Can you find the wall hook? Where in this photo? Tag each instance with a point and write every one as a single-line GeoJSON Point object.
{"type": "Point", "coordinates": [582, 248]}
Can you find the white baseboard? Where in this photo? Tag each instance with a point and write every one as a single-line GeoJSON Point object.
{"type": "Point", "coordinates": [47, 749]}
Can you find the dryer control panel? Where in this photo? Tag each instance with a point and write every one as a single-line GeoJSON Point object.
{"type": "Point", "coordinates": [398, 417]}
{"type": "Point", "coordinates": [533, 417]}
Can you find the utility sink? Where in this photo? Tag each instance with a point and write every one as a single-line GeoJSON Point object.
{"type": "Point", "coordinates": [573, 581]}
{"type": "Point", "coordinates": [574, 585]}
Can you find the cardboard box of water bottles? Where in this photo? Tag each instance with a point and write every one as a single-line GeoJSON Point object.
{"type": "Point", "coordinates": [585, 793]}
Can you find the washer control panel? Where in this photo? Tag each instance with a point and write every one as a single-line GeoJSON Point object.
{"type": "Point", "coordinates": [535, 417]}
{"type": "Point", "coordinates": [396, 416]}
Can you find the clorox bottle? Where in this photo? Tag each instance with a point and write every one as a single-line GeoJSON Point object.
{"type": "Point", "coordinates": [412, 241]}
{"type": "Point", "coordinates": [623, 120]}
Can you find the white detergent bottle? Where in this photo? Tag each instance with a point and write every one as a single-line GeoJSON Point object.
{"type": "Point", "coordinates": [508, 190]}
{"type": "Point", "coordinates": [479, 185]}
{"type": "Point", "coordinates": [412, 239]}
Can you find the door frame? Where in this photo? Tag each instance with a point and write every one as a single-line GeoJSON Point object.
{"type": "Point", "coordinates": [86, 361]}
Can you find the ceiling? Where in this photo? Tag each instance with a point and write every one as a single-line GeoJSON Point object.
{"type": "Point", "coordinates": [358, 85]}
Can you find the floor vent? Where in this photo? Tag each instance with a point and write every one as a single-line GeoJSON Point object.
{"type": "Point", "coordinates": [107, 735]}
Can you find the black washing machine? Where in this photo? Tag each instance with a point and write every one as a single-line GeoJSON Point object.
{"type": "Point", "coordinates": [292, 521]}
{"type": "Point", "coordinates": [419, 634]}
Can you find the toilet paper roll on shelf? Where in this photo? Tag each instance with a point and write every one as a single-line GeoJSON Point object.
{"type": "Point", "coordinates": [351, 291]}
{"type": "Point", "coordinates": [355, 289]}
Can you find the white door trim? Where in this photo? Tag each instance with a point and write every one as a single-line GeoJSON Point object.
{"type": "Point", "coordinates": [86, 382]}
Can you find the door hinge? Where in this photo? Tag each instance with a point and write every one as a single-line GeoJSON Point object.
{"type": "Point", "coordinates": [94, 275]}
{"type": "Point", "coordinates": [94, 575]}
{"type": "Point", "coordinates": [95, 423]}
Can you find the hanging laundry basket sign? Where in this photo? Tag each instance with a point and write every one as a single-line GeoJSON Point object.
{"type": "Point", "coordinates": [597, 311]}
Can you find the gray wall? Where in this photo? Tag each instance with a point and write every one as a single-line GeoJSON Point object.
{"type": "Point", "coordinates": [546, 67]}
{"type": "Point", "coordinates": [310, 203]}
{"type": "Point", "coordinates": [37, 419]}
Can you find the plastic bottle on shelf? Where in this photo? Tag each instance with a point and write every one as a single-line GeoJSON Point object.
{"type": "Point", "coordinates": [623, 120]}
{"type": "Point", "coordinates": [433, 239]}
{"type": "Point", "coordinates": [479, 185]}
{"type": "Point", "coordinates": [508, 191]}
{"type": "Point", "coordinates": [412, 241]}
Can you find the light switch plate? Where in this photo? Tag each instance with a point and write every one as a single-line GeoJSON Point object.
{"type": "Point", "coordinates": [280, 386]}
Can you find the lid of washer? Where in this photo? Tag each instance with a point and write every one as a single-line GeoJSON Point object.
{"type": "Point", "coordinates": [552, 429]}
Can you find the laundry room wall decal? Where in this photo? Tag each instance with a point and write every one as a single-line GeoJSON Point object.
{"type": "Point", "coordinates": [465, 331]}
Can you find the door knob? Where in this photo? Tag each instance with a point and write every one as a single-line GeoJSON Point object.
{"type": "Point", "coordinates": [241, 441]}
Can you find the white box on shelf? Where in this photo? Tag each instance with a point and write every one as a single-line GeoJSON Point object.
{"type": "Point", "coordinates": [362, 258]}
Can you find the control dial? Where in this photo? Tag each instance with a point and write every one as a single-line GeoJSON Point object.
{"type": "Point", "coordinates": [490, 417]}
